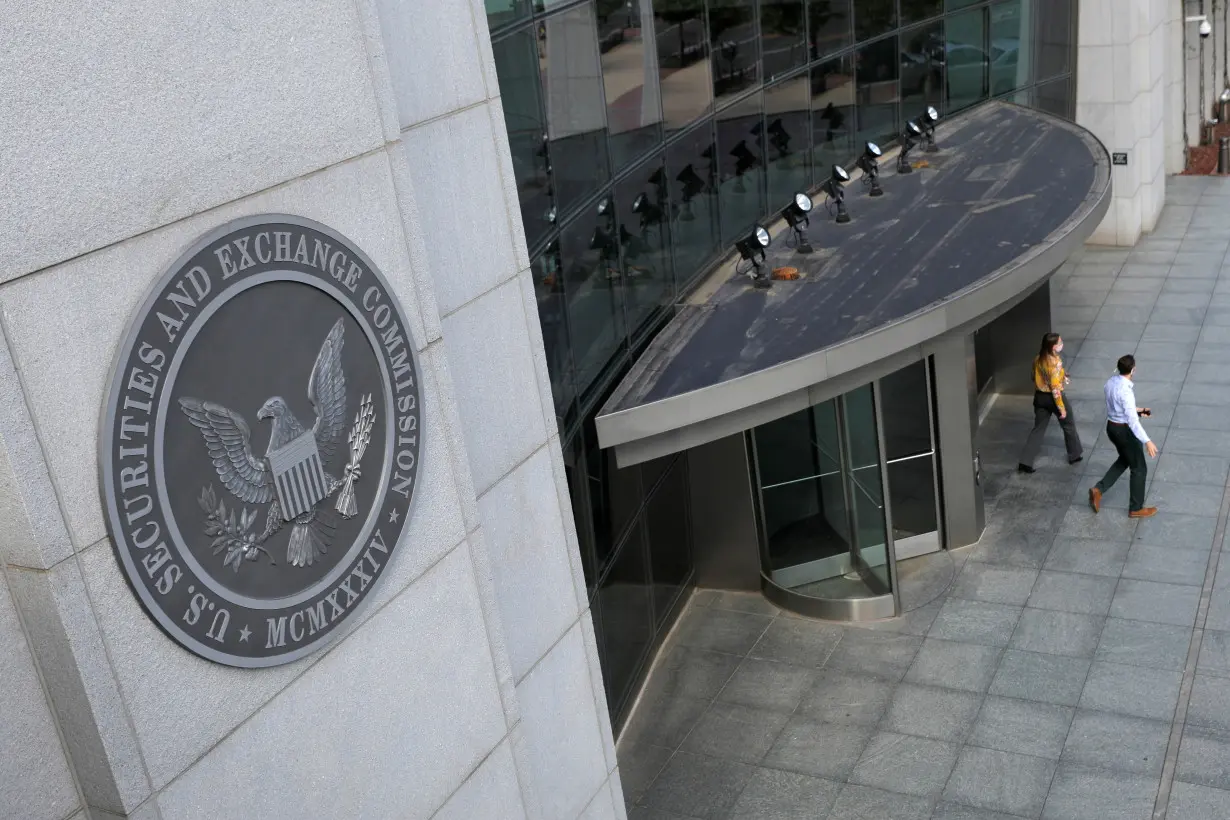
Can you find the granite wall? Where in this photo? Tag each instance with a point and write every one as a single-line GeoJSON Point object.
{"type": "Point", "coordinates": [1122, 85]}
{"type": "Point", "coordinates": [469, 687]}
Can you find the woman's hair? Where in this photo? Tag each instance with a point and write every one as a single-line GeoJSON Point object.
{"type": "Point", "coordinates": [1049, 341]}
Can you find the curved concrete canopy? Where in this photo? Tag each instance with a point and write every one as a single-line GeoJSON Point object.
{"type": "Point", "coordinates": [1011, 193]}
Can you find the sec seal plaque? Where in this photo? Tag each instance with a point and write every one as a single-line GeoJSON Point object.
{"type": "Point", "coordinates": [260, 443]}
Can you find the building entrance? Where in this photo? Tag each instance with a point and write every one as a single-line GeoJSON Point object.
{"type": "Point", "coordinates": [846, 488]}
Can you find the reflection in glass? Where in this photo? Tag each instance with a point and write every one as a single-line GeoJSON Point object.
{"type": "Point", "coordinates": [516, 62]}
{"type": "Point", "coordinates": [683, 62]}
{"type": "Point", "coordinates": [828, 23]}
{"type": "Point", "coordinates": [786, 126]}
{"type": "Point", "coordinates": [913, 11]}
{"type": "Point", "coordinates": [625, 608]}
{"type": "Point", "coordinates": [876, 67]}
{"type": "Point", "coordinates": [691, 168]}
{"type": "Point", "coordinates": [803, 500]}
{"type": "Point", "coordinates": [740, 150]}
{"type": "Point", "coordinates": [1055, 98]}
{"type": "Point", "coordinates": [590, 259]}
{"type": "Point", "coordinates": [734, 47]}
{"type": "Point", "coordinates": [1009, 64]}
{"type": "Point", "coordinates": [667, 526]}
{"type": "Point", "coordinates": [502, 12]}
{"type": "Point", "coordinates": [873, 18]}
{"type": "Point", "coordinates": [922, 69]}
{"type": "Point", "coordinates": [1025, 97]}
{"type": "Point", "coordinates": [576, 113]}
{"type": "Point", "coordinates": [627, 41]}
{"type": "Point", "coordinates": [553, 316]}
{"type": "Point", "coordinates": [1053, 37]}
{"type": "Point", "coordinates": [614, 496]}
{"type": "Point", "coordinates": [953, 5]}
{"type": "Point", "coordinates": [644, 237]}
{"type": "Point", "coordinates": [783, 45]}
{"type": "Point", "coordinates": [905, 406]}
{"type": "Point", "coordinates": [575, 475]}
{"type": "Point", "coordinates": [832, 115]}
{"type": "Point", "coordinates": [865, 487]}
{"type": "Point", "coordinates": [967, 59]}
{"type": "Point", "coordinates": [821, 499]}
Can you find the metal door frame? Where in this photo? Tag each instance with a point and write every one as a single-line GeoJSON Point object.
{"type": "Point", "coordinates": [933, 434]}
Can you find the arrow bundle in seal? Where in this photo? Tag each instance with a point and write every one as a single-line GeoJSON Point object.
{"type": "Point", "coordinates": [360, 435]}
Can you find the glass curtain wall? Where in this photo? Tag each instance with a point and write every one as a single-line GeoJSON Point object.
{"type": "Point", "coordinates": [647, 135]}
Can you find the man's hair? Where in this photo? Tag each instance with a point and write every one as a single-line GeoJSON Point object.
{"type": "Point", "coordinates": [1126, 364]}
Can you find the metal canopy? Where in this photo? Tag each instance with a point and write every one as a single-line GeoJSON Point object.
{"type": "Point", "coordinates": [1012, 192]}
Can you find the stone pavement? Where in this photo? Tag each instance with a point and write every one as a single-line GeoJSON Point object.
{"type": "Point", "coordinates": [1068, 666]}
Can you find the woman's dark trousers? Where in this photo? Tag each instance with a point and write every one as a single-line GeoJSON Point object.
{"type": "Point", "coordinates": [1044, 408]}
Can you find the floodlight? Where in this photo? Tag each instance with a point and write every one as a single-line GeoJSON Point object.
{"type": "Point", "coordinates": [649, 212]}
{"type": "Point", "coordinates": [601, 241]}
{"type": "Point", "coordinates": [633, 245]}
{"type": "Point", "coordinates": [909, 138]}
{"type": "Point", "coordinates": [795, 215]}
{"type": "Point", "coordinates": [834, 190]}
{"type": "Point", "coordinates": [927, 121]}
{"type": "Point", "coordinates": [751, 249]}
{"type": "Point", "coordinates": [745, 161]}
{"type": "Point", "coordinates": [779, 137]}
{"type": "Point", "coordinates": [692, 185]}
{"type": "Point", "coordinates": [869, 163]}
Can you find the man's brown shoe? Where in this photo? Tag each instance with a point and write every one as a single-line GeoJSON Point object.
{"type": "Point", "coordinates": [1143, 512]}
{"type": "Point", "coordinates": [1095, 498]}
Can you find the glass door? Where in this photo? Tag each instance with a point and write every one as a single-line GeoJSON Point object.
{"type": "Point", "coordinates": [866, 487]}
{"type": "Point", "coordinates": [909, 458]}
{"type": "Point", "coordinates": [822, 512]}
{"type": "Point", "coordinates": [804, 509]}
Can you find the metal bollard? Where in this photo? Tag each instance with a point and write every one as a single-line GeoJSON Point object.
{"type": "Point", "coordinates": [1223, 155]}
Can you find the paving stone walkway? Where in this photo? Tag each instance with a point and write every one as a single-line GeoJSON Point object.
{"type": "Point", "coordinates": [1067, 667]}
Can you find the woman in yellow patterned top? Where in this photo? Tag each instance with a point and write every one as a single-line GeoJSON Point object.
{"type": "Point", "coordinates": [1049, 382]}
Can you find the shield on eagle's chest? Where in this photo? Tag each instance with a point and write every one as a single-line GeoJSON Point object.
{"type": "Point", "coordinates": [298, 475]}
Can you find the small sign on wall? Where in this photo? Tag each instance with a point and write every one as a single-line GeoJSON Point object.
{"type": "Point", "coordinates": [1119, 158]}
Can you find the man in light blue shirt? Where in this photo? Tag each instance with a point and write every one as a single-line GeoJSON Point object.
{"type": "Point", "coordinates": [1130, 439]}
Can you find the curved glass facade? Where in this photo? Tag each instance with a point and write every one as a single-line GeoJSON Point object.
{"type": "Point", "coordinates": [647, 136]}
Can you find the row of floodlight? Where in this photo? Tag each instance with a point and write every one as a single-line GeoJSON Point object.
{"type": "Point", "coordinates": [752, 247]}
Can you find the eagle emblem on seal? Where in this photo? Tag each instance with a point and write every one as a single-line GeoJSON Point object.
{"type": "Point", "coordinates": [291, 478]}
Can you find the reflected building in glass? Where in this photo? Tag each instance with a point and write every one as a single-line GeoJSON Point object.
{"type": "Point", "coordinates": [647, 136]}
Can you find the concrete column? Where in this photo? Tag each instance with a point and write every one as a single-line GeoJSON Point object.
{"type": "Point", "coordinates": [1121, 51]}
{"type": "Point", "coordinates": [956, 398]}
{"type": "Point", "coordinates": [1176, 155]}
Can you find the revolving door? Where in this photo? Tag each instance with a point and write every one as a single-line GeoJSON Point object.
{"type": "Point", "coordinates": [831, 481]}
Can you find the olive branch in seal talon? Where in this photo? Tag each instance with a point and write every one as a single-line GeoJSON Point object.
{"type": "Point", "coordinates": [359, 437]}
{"type": "Point", "coordinates": [230, 534]}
